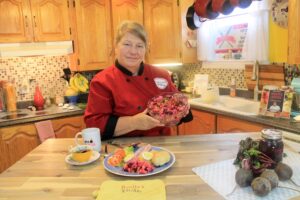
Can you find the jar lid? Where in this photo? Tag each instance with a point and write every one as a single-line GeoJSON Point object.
{"type": "Point", "coordinates": [272, 134]}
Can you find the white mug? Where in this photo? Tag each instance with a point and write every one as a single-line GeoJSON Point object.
{"type": "Point", "coordinates": [91, 137]}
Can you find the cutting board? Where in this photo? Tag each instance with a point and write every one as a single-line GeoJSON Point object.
{"type": "Point", "coordinates": [268, 75]}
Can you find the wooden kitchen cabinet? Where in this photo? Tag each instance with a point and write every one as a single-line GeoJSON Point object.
{"type": "Point", "coordinates": [15, 142]}
{"type": "Point", "coordinates": [162, 23]}
{"type": "Point", "coordinates": [34, 20]}
{"type": "Point", "coordinates": [94, 41]}
{"type": "Point", "coordinates": [188, 36]}
{"type": "Point", "coordinates": [126, 10]}
{"type": "Point", "coordinates": [232, 125]}
{"type": "Point", "coordinates": [293, 32]}
{"type": "Point", "coordinates": [68, 127]}
{"type": "Point", "coordinates": [202, 123]}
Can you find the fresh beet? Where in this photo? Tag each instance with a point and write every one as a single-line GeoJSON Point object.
{"type": "Point", "coordinates": [261, 186]}
{"type": "Point", "coordinates": [271, 176]}
{"type": "Point", "coordinates": [243, 177]}
{"type": "Point", "coordinates": [283, 171]}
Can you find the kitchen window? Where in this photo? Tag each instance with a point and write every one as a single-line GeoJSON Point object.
{"type": "Point", "coordinates": [242, 35]}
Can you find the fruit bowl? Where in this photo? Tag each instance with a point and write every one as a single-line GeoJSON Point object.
{"type": "Point", "coordinates": [168, 108]}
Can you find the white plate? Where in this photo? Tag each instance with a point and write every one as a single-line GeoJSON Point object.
{"type": "Point", "coordinates": [95, 156]}
{"type": "Point", "coordinates": [121, 172]}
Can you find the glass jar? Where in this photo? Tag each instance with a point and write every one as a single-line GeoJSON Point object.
{"type": "Point", "coordinates": [271, 144]}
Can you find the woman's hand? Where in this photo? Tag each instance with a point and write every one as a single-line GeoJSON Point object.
{"type": "Point", "coordinates": [142, 121]}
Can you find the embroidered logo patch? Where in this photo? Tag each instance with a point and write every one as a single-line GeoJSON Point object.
{"type": "Point", "coordinates": [161, 83]}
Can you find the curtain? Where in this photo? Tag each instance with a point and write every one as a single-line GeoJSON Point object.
{"type": "Point", "coordinates": [243, 35]}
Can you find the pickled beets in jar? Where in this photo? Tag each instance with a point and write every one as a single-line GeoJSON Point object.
{"type": "Point", "coordinates": [271, 144]}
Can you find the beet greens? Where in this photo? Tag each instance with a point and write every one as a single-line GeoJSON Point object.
{"type": "Point", "coordinates": [250, 157]}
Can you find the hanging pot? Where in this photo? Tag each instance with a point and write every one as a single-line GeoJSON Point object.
{"type": "Point", "coordinates": [217, 5]}
{"type": "Point", "coordinates": [192, 19]}
{"type": "Point", "coordinates": [234, 3]}
{"type": "Point", "coordinates": [227, 8]}
{"type": "Point", "coordinates": [244, 3]}
{"type": "Point", "coordinates": [203, 9]}
{"type": "Point", "coordinates": [222, 6]}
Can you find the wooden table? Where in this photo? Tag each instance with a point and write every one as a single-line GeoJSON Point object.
{"type": "Point", "coordinates": [43, 173]}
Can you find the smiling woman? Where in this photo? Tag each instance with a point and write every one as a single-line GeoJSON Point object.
{"type": "Point", "coordinates": [119, 94]}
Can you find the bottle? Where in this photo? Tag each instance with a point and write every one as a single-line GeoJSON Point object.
{"type": "Point", "coordinates": [38, 99]}
{"type": "Point", "coordinates": [11, 97]}
{"type": "Point", "coordinates": [232, 88]}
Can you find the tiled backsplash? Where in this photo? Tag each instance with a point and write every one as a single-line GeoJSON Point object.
{"type": "Point", "coordinates": [41, 70]}
{"type": "Point", "coordinates": [47, 72]}
{"type": "Point", "coordinates": [217, 76]}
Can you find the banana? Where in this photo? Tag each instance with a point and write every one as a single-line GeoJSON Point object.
{"type": "Point", "coordinates": [72, 84]}
{"type": "Point", "coordinates": [81, 82]}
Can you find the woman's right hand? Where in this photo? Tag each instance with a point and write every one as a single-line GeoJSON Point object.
{"type": "Point", "coordinates": [142, 121]}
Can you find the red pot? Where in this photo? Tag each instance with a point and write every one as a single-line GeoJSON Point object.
{"type": "Point", "coordinates": [203, 9]}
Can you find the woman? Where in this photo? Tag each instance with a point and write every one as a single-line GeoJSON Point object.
{"type": "Point", "coordinates": [119, 94]}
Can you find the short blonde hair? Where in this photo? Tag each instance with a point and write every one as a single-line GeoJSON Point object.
{"type": "Point", "coordinates": [133, 28]}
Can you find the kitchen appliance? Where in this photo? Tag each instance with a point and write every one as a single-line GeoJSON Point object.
{"type": "Point", "coordinates": [296, 99]}
{"type": "Point", "coordinates": [175, 79]}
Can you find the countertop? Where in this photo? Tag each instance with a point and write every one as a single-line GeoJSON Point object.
{"type": "Point", "coordinates": [284, 124]}
{"type": "Point", "coordinates": [44, 174]}
{"type": "Point", "coordinates": [28, 116]}
{"type": "Point", "coordinates": [57, 112]}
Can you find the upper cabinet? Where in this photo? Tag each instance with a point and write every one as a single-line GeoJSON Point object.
{"type": "Point", "coordinates": [162, 23]}
{"type": "Point", "coordinates": [126, 10]}
{"type": "Point", "coordinates": [94, 25]}
{"type": "Point", "coordinates": [34, 20]}
{"type": "Point", "coordinates": [93, 44]}
{"type": "Point", "coordinates": [293, 32]}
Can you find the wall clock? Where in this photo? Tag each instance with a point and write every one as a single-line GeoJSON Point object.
{"type": "Point", "coordinates": [280, 12]}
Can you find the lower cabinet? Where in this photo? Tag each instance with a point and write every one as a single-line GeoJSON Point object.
{"type": "Point", "coordinates": [232, 125]}
{"type": "Point", "coordinates": [202, 123]}
{"type": "Point", "coordinates": [16, 141]}
{"type": "Point", "coordinates": [68, 127]}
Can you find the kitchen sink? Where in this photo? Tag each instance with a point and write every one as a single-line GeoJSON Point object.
{"type": "Point", "coordinates": [14, 116]}
{"type": "Point", "coordinates": [230, 104]}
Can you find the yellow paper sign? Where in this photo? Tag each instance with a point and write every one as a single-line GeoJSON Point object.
{"type": "Point", "coordinates": [133, 190]}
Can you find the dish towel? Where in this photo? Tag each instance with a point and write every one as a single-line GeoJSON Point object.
{"type": "Point", "coordinates": [221, 177]}
{"type": "Point", "coordinates": [45, 130]}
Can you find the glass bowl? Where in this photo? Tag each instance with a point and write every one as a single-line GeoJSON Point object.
{"type": "Point", "coordinates": [168, 108]}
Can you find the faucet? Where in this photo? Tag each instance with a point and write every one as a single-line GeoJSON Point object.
{"type": "Point", "coordinates": [255, 76]}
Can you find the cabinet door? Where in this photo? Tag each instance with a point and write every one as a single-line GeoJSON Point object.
{"type": "Point", "coordinates": [126, 10]}
{"type": "Point", "coordinates": [15, 21]}
{"type": "Point", "coordinates": [94, 34]}
{"type": "Point", "coordinates": [232, 125]}
{"type": "Point", "coordinates": [202, 123]}
{"type": "Point", "coordinates": [189, 37]}
{"type": "Point", "coordinates": [293, 32]}
{"type": "Point", "coordinates": [68, 127]}
{"type": "Point", "coordinates": [17, 141]}
{"type": "Point", "coordinates": [50, 20]}
{"type": "Point", "coordinates": [161, 18]}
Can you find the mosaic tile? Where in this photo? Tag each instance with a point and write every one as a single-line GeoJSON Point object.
{"type": "Point", "coordinates": [42, 70]}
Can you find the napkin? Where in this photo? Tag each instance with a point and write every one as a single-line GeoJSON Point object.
{"type": "Point", "coordinates": [221, 177]}
{"type": "Point", "coordinates": [137, 190]}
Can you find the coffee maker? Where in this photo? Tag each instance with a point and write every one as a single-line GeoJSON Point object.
{"type": "Point", "coordinates": [296, 99]}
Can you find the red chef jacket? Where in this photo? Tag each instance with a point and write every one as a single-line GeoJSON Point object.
{"type": "Point", "coordinates": [116, 92]}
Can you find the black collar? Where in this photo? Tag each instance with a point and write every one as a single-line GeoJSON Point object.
{"type": "Point", "coordinates": [127, 72]}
